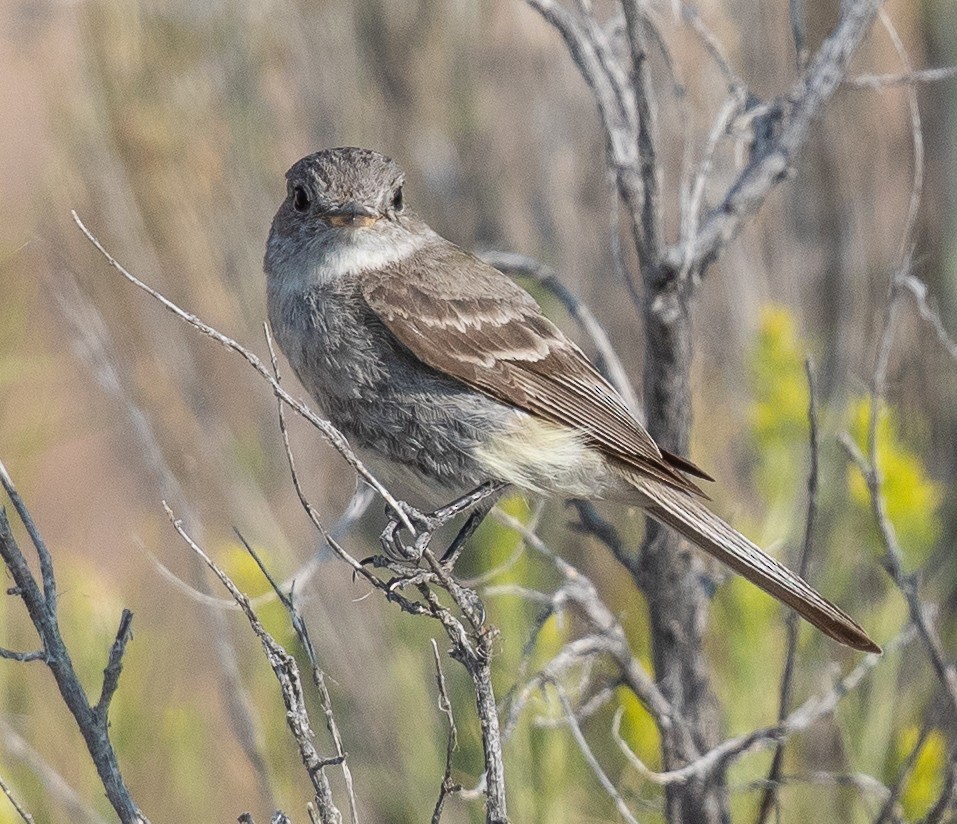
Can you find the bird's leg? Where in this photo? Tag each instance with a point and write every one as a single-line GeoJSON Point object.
{"type": "Point", "coordinates": [480, 494]}
{"type": "Point", "coordinates": [479, 513]}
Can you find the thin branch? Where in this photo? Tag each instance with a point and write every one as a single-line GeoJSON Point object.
{"type": "Point", "coordinates": [13, 655]}
{"type": "Point", "coordinates": [333, 435]}
{"type": "Point", "coordinates": [648, 200]}
{"type": "Point", "coordinates": [603, 779]}
{"type": "Point", "coordinates": [712, 45]}
{"type": "Point", "coordinates": [799, 32]}
{"type": "Point", "coordinates": [447, 786]}
{"type": "Point", "coordinates": [43, 554]}
{"type": "Point", "coordinates": [907, 78]}
{"type": "Point", "coordinates": [94, 345]}
{"type": "Point", "coordinates": [21, 811]}
{"type": "Point", "coordinates": [787, 677]}
{"type": "Point", "coordinates": [862, 782]}
{"type": "Point", "coordinates": [917, 142]}
{"type": "Point", "coordinates": [318, 676]}
{"type": "Point", "coordinates": [823, 76]}
{"type": "Point", "coordinates": [608, 637]}
{"type": "Point", "coordinates": [626, 115]}
{"type": "Point", "coordinates": [287, 674]}
{"type": "Point", "coordinates": [476, 657]}
{"type": "Point", "coordinates": [893, 565]}
{"type": "Point", "coordinates": [800, 719]}
{"type": "Point", "coordinates": [918, 290]}
{"type": "Point", "coordinates": [114, 666]}
{"type": "Point", "coordinates": [93, 724]}
{"type": "Point", "coordinates": [692, 208]}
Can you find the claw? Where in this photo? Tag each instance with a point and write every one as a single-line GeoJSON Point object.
{"type": "Point", "coordinates": [427, 523]}
{"type": "Point", "coordinates": [393, 546]}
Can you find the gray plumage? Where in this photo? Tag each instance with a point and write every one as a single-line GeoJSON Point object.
{"type": "Point", "coordinates": [435, 363]}
{"type": "Point", "coordinates": [378, 393]}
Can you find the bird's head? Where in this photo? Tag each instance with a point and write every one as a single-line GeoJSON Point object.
{"type": "Point", "coordinates": [344, 209]}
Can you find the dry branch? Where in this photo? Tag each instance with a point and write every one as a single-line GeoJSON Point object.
{"type": "Point", "coordinates": [625, 97]}
{"type": "Point", "coordinates": [92, 720]}
{"type": "Point", "coordinates": [287, 674]}
{"type": "Point", "coordinates": [20, 809]}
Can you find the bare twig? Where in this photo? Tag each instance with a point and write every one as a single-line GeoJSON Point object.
{"type": "Point", "coordinates": [917, 142]}
{"type": "Point", "coordinates": [693, 203]}
{"type": "Point", "coordinates": [43, 554]}
{"type": "Point", "coordinates": [21, 811]}
{"type": "Point", "coordinates": [712, 45]}
{"type": "Point", "coordinates": [93, 343]}
{"type": "Point", "coordinates": [13, 655]}
{"type": "Point", "coordinates": [893, 565]}
{"type": "Point", "coordinates": [474, 652]}
{"type": "Point", "coordinates": [825, 72]}
{"type": "Point", "coordinates": [111, 675]}
{"type": "Point", "coordinates": [906, 78]}
{"type": "Point", "coordinates": [607, 637]}
{"type": "Point", "coordinates": [787, 677]}
{"type": "Point", "coordinates": [892, 560]}
{"type": "Point", "coordinates": [41, 606]}
{"type": "Point", "coordinates": [918, 290]}
{"type": "Point", "coordinates": [677, 602]}
{"type": "Point", "coordinates": [447, 787]}
{"type": "Point", "coordinates": [586, 751]}
{"type": "Point", "coordinates": [333, 435]}
{"type": "Point", "coordinates": [287, 674]}
{"type": "Point", "coordinates": [645, 200]}
{"type": "Point", "coordinates": [799, 32]}
{"type": "Point", "coordinates": [718, 758]}
{"type": "Point", "coordinates": [862, 782]}
{"type": "Point", "coordinates": [318, 676]}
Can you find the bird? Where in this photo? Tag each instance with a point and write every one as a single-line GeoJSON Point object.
{"type": "Point", "coordinates": [445, 375]}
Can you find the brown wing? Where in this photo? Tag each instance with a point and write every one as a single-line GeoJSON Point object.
{"type": "Point", "coordinates": [468, 320]}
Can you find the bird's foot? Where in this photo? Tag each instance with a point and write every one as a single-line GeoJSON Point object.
{"type": "Point", "coordinates": [425, 525]}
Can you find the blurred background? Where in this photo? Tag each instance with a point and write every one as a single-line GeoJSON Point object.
{"type": "Point", "coordinates": [168, 126]}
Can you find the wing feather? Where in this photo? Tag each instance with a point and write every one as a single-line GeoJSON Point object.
{"type": "Point", "coordinates": [468, 320]}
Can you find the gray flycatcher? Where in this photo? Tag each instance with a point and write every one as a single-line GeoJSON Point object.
{"type": "Point", "coordinates": [439, 366]}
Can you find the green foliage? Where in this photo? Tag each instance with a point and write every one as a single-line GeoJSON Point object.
{"type": "Point", "coordinates": [246, 574]}
{"type": "Point", "coordinates": [638, 728]}
{"type": "Point", "coordinates": [926, 779]}
{"type": "Point", "coordinates": [779, 386]}
{"type": "Point", "coordinates": [779, 409]}
{"type": "Point", "coordinates": [911, 497]}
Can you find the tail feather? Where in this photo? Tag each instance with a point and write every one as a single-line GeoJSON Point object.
{"type": "Point", "coordinates": [702, 527]}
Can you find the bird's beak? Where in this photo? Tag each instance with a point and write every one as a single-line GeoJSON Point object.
{"type": "Point", "coordinates": [352, 215]}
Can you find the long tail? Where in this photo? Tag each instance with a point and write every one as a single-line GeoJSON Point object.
{"type": "Point", "coordinates": [684, 513]}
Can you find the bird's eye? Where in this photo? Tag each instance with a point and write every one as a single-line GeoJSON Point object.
{"type": "Point", "coordinates": [397, 200]}
{"type": "Point", "coordinates": [300, 199]}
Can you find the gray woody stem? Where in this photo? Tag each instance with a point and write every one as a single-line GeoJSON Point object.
{"type": "Point", "coordinates": [92, 719]}
{"type": "Point", "coordinates": [665, 569]}
{"type": "Point", "coordinates": [287, 674]}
